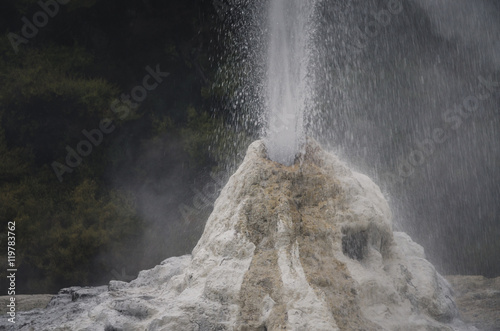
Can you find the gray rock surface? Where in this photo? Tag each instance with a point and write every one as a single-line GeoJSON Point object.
{"type": "Point", "coordinates": [478, 299]}
{"type": "Point", "coordinates": [26, 302]}
{"type": "Point", "coordinates": [304, 247]}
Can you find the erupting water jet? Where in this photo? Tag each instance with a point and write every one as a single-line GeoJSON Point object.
{"type": "Point", "coordinates": [287, 82]}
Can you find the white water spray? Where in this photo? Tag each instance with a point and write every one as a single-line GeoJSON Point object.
{"type": "Point", "coordinates": [288, 86]}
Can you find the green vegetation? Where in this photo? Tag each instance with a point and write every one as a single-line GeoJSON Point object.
{"type": "Point", "coordinates": [64, 80]}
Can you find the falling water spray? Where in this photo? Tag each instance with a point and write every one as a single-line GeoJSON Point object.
{"type": "Point", "coordinates": [288, 82]}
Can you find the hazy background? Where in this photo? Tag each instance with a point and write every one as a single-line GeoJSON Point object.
{"type": "Point", "coordinates": [390, 91]}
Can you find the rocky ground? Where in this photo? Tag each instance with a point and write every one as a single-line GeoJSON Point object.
{"type": "Point", "coordinates": [26, 302]}
{"type": "Point", "coordinates": [477, 297]}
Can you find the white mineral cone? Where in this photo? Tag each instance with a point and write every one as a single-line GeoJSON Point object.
{"type": "Point", "coordinates": [304, 247]}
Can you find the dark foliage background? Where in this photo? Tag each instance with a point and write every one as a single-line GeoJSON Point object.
{"type": "Point", "coordinates": [119, 211]}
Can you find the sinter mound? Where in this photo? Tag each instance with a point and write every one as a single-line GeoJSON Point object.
{"type": "Point", "coordinates": [304, 247]}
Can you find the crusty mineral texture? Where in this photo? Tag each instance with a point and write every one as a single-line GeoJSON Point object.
{"type": "Point", "coordinates": [304, 247]}
{"type": "Point", "coordinates": [25, 302]}
{"type": "Point", "coordinates": [478, 299]}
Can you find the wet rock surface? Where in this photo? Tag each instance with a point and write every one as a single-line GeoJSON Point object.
{"type": "Point", "coordinates": [26, 302]}
{"type": "Point", "coordinates": [478, 299]}
{"type": "Point", "coordinates": [303, 247]}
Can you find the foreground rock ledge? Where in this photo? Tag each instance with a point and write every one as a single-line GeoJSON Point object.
{"type": "Point", "coordinates": [305, 247]}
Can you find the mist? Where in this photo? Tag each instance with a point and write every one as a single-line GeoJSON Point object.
{"type": "Point", "coordinates": [412, 98]}
{"type": "Point", "coordinates": [389, 99]}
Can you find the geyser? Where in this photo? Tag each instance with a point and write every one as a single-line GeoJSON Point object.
{"type": "Point", "coordinates": [296, 240]}
{"type": "Point", "coordinates": [287, 81]}
{"type": "Point", "coordinates": [304, 247]}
